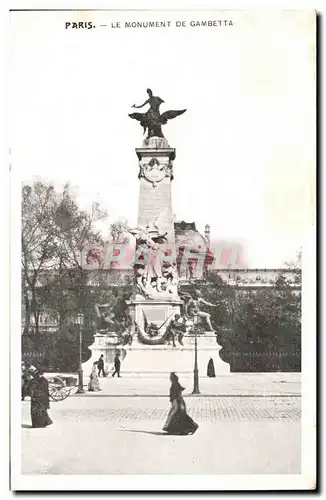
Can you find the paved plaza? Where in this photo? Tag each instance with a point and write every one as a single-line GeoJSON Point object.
{"type": "Point", "coordinates": [237, 384]}
{"type": "Point", "coordinates": [107, 433]}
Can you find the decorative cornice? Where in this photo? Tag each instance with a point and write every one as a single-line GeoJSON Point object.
{"type": "Point", "coordinates": [141, 152]}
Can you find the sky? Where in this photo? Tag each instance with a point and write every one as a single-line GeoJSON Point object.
{"type": "Point", "coordinates": [245, 148]}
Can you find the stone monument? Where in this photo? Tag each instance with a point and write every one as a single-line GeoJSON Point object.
{"type": "Point", "coordinates": [157, 334]}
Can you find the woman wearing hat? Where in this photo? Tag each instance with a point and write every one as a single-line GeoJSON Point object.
{"type": "Point", "coordinates": [40, 401]}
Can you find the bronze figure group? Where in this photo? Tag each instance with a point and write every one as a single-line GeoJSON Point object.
{"type": "Point", "coordinates": [152, 120]}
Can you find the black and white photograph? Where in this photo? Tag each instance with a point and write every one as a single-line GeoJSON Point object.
{"type": "Point", "coordinates": [163, 178]}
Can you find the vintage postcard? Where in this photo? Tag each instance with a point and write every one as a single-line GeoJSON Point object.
{"type": "Point", "coordinates": [162, 249]}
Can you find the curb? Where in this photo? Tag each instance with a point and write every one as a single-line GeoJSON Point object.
{"type": "Point", "coordinates": [93, 395]}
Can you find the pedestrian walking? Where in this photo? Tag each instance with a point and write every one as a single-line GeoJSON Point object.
{"type": "Point", "coordinates": [100, 366]}
{"type": "Point", "coordinates": [40, 400]}
{"type": "Point", "coordinates": [178, 421]}
{"type": "Point", "coordinates": [117, 365]}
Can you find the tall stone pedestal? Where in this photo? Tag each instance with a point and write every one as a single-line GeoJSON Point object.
{"type": "Point", "coordinates": [155, 176]}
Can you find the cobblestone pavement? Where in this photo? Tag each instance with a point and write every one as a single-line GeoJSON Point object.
{"type": "Point", "coordinates": [123, 435]}
{"type": "Point", "coordinates": [209, 409]}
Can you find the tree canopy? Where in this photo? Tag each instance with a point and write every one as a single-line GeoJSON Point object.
{"type": "Point", "coordinates": [55, 233]}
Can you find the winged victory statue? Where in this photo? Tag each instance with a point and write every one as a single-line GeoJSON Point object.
{"type": "Point", "coordinates": [152, 120]}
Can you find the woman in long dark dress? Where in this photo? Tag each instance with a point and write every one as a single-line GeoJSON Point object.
{"type": "Point", "coordinates": [210, 368]}
{"type": "Point", "coordinates": [178, 421]}
{"type": "Point", "coordinates": [40, 401]}
{"type": "Point", "coordinates": [26, 379]}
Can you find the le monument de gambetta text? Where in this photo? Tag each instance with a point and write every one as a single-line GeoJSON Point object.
{"type": "Point", "coordinates": [87, 25]}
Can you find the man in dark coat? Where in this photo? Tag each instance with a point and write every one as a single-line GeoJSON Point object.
{"type": "Point", "coordinates": [117, 365]}
{"type": "Point", "coordinates": [100, 366]}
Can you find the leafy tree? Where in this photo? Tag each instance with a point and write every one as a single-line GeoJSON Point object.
{"type": "Point", "coordinates": [39, 243]}
{"type": "Point", "coordinates": [118, 231]}
{"type": "Point", "coordinates": [55, 233]}
{"type": "Point", "coordinates": [118, 235]}
{"type": "Point", "coordinates": [259, 329]}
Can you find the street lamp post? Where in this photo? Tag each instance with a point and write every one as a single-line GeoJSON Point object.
{"type": "Point", "coordinates": [80, 323]}
{"type": "Point", "coordinates": [196, 376]}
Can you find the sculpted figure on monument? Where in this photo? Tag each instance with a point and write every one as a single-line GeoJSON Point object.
{"type": "Point", "coordinates": [114, 319]}
{"type": "Point", "coordinates": [192, 308]}
{"type": "Point", "coordinates": [170, 274]}
{"type": "Point", "coordinates": [152, 334]}
{"type": "Point", "coordinates": [176, 330]}
{"type": "Point", "coordinates": [149, 274]}
{"type": "Point", "coordinates": [152, 120]}
{"type": "Point", "coordinates": [106, 321]}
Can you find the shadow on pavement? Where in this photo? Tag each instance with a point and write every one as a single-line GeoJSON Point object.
{"type": "Point", "coordinates": [155, 433]}
{"type": "Point", "coordinates": [27, 426]}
